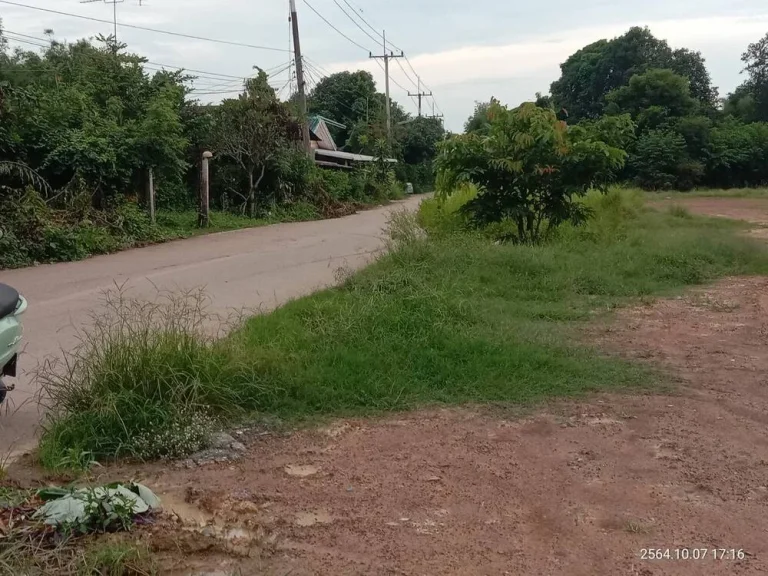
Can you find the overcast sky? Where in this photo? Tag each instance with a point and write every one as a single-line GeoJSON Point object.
{"type": "Point", "coordinates": [463, 51]}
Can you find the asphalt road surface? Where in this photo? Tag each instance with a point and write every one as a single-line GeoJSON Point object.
{"type": "Point", "coordinates": [258, 268]}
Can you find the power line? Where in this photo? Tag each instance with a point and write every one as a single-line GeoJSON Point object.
{"type": "Point", "coordinates": [395, 82]}
{"type": "Point", "coordinates": [324, 19]}
{"type": "Point", "coordinates": [135, 27]}
{"type": "Point", "coordinates": [317, 66]}
{"type": "Point", "coordinates": [407, 76]}
{"type": "Point", "coordinates": [363, 30]}
{"type": "Point", "coordinates": [204, 72]}
{"type": "Point", "coordinates": [312, 70]}
{"type": "Point", "coordinates": [30, 42]}
{"type": "Point", "coordinates": [237, 91]}
{"type": "Point", "coordinates": [158, 66]}
{"type": "Point", "coordinates": [358, 13]}
{"type": "Point", "coordinates": [24, 35]}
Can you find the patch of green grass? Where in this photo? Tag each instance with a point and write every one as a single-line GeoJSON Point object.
{"type": "Point", "coordinates": [174, 224]}
{"type": "Point", "coordinates": [116, 559]}
{"type": "Point", "coordinates": [450, 319]}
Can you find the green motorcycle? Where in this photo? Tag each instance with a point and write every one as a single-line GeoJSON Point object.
{"type": "Point", "coordinates": [12, 306]}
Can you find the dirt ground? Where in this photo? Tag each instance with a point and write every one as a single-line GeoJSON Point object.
{"type": "Point", "coordinates": [576, 488]}
{"type": "Point", "coordinates": [753, 210]}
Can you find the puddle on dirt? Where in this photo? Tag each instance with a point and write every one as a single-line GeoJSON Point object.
{"type": "Point", "coordinates": [175, 504]}
{"type": "Point", "coordinates": [306, 519]}
{"type": "Point", "coordinates": [301, 471]}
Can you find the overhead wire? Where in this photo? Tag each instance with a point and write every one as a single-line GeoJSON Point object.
{"type": "Point", "coordinates": [363, 30]}
{"type": "Point", "coordinates": [24, 41]}
{"type": "Point", "coordinates": [44, 43]}
{"type": "Point", "coordinates": [418, 86]}
{"type": "Point", "coordinates": [324, 19]}
{"type": "Point", "coordinates": [358, 13]}
{"type": "Point", "coordinates": [312, 70]}
{"type": "Point", "coordinates": [145, 28]}
{"type": "Point", "coordinates": [362, 19]}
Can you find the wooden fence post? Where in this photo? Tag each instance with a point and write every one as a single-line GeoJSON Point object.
{"type": "Point", "coordinates": [204, 218]}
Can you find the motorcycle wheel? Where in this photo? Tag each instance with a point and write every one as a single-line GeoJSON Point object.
{"type": "Point", "coordinates": [3, 392]}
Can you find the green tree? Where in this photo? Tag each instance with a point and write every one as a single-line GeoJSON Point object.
{"type": "Point", "coordinates": [478, 121]}
{"type": "Point", "coordinates": [419, 139]}
{"type": "Point", "coordinates": [347, 98]}
{"type": "Point", "coordinates": [529, 168]}
{"type": "Point", "coordinates": [659, 160]}
{"type": "Point", "coordinates": [741, 104]}
{"type": "Point", "coordinates": [656, 88]}
{"type": "Point", "coordinates": [756, 66]}
{"type": "Point", "coordinates": [692, 66]}
{"type": "Point", "coordinates": [591, 73]}
{"type": "Point", "coordinates": [738, 154]}
{"type": "Point", "coordinates": [252, 131]}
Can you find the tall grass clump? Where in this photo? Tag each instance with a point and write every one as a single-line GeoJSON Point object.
{"type": "Point", "coordinates": [148, 379]}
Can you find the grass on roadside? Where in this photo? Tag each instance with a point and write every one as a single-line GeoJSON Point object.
{"type": "Point", "coordinates": [174, 224]}
{"type": "Point", "coordinates": [449, 319]}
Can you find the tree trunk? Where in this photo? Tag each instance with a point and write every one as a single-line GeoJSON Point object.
{"type": "Point", "coordinates": [252, 192]}
{"type": "Point", "coordinates": [251, 196]}
{"type": "Point", "coordinates": [531, 232]}
{"type": "Point", "coordinates": [521, 229]}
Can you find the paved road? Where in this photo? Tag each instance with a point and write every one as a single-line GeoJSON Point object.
{"type": "Point", "coordinates": [258, 268]}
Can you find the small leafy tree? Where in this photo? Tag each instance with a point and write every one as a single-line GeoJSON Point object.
{"type": "Point", "coordinates": [253, 130]}
{"type": "Point", "coordinates": [659, 158]}
{"type": "Point", "coordinates": [529, 168]}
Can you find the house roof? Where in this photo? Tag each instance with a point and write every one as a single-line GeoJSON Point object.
{"type": "Point", "coordinates": [319, 128]}
{"type": "Point", "coordinates": [349, 156]}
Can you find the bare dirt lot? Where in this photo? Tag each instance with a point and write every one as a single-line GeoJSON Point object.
{"type": "Point", "coordinates": [579, 488]}
{"type": "Point", "coordinates": [753, 210]}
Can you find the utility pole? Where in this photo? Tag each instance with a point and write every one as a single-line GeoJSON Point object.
{"type": "Point", "coordinates": [434, 116]}
{"type": "Point", "coordinates": [386, 57]}
{"type": "Point", "coordinates": [300, 80]}
{"type": "Point", "coordinates": [114, 14]}
{"type": "Point", "coordinates": [419, 94]}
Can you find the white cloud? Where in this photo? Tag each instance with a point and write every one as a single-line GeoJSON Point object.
{"type": "Point", "coordinates": [514, 72]}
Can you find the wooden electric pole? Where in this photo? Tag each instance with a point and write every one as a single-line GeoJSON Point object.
{"type": "Point", "coordinates": [386, 57]}
{"type": "Point", "coordinates": [419, 94]}
{"type": "Point", "coordinates": [300, 81]}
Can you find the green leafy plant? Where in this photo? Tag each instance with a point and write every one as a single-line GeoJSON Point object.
{"type": "Point", "coordinates": [529, 168]}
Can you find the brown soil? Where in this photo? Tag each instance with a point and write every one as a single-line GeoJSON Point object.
{"type": "Point", "coordinates": [577, 489]}
{"type": "Point", "coordinates": [753, 210]}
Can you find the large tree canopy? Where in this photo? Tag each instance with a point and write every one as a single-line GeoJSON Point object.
{"type": "Point", "coordinates": [89, 113]}
{"type": "Point", "coordinates": [590, 74]}
{"type": "Point", "coordinates": [347, 98]}
{"type": "Point", "coordinates": [653, 97]}
{"type": "Point", "coordinates": [756, 66]}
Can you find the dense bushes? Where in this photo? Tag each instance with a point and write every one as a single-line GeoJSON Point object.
{"type": "Point", "coordinates": [89, 120]}
{"type": "Point", "coordinates": [31, 231]}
